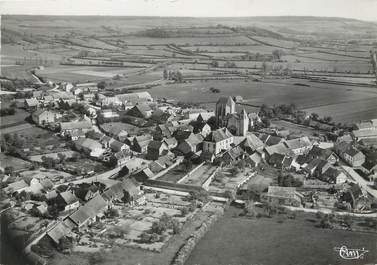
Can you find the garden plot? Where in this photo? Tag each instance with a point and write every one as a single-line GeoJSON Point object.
{"type": "Point", "coordinates": [199, 176]}
{"type": "Point", "coordinates": [175, 174]}
{"type": "Point", "coordinates": [51, 174]}
{"type": "Point", "coordinates": [229, 179]}
{"type": "Point", "coordinates": [131, 225]}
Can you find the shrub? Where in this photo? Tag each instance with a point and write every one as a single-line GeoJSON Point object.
{"type": "Point", "coordinates": [184, 211]}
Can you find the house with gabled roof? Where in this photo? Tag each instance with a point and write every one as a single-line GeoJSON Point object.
{"type": "Point", "coordinates": [143, 175]}
{"type": "Point", "coordinates": [132, 192]}
{"type": "Point", "coordinates": [122, 157]}
{"type": "Point", "coordinates": [114, 193]}
{"type": "Point", "coordinates": [67, 128]}
{"type": "Point", "coordinates": [140, 143]}
{"type": "Point", "coordinates": [251, 143]}
{"type": "Point", "coordinates": [87, 191]}
{"type": "Point", "coordinates": [58, 232]}
{"type": "Point", "coordinates": [192, 144]}
{"type": "Point", "coordinates": [317, 152]}
{"type": "Point", "coordinates": [165, 131]}
{"type": "Point", "coordinates": [270, 140]}
{"type": "Point", "coordinates": [42, 116]}
{"type": "Point", "coordinates": [232, 155]}
{"type": "Point", "coordinates": [117, 146]}
{"type": "Point", "coordinates": [202, 128]}
{"type": "Point", "coordinates": [31, 103]}
{"type": "Point", "coordinates": [162, 163]}
{"type": "Point", "coordinates": [141, 111]}
{"type": "Point", "coordinates": [89, 146]}
{"type": "Point", "coordinates": [87, 213]}
{"type": "Point", "coordinates": [333, 175]}
{"type": "Point", "coordinates": [283, 196]}
{"type": "Point", "coordinates": [133, 165]}
{"type": "Point", "coordinates": [218, 141]}
{"type": "Point", "coordinates": [254, 159]}
{"type": "Point", "coordinates": [280, 148]}
{"type": "Point", "coordinates": [67, 200]}
{"type": "Point", "coordinates": [350, 154]}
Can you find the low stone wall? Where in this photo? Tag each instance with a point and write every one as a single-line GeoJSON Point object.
{"type": "Point", "coordinates": [190, 173]}
{"type": "Point", "coordinates": [186, 249]}
{"type": "Point", "coordinates": [169, 185]}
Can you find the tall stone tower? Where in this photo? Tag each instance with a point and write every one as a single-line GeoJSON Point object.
{"type": "Point", "coordinates": [244, 123]}
{"type": "Point", "coordinates": [224, 106]}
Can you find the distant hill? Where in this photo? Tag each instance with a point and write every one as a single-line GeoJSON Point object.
{"type": "Point", "coordinates": [293, 26]}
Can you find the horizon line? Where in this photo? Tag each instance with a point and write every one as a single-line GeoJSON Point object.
{"type": "Point", "coordinates": [208, 17]}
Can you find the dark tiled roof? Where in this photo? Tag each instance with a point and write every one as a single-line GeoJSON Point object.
{"type": "Point", "coordinates": [218, 135]}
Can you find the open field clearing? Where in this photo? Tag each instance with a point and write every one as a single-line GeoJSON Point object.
{"type": "Point", "coordinates": [17, 118]}
{"type": "Point", "coordinates": [296, 129]}
{"type": "Point", "coordinates": [14, 162]}
{"type": "Point", "coordinates": [265, 241]}
{"type": "Point", "coordinates": [348, 111]}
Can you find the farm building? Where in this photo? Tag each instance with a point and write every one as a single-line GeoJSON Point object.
{"type": "Point", "coordinates": [283, 196]}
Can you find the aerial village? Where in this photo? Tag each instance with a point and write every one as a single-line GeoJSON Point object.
{"type": "Point", "coordinates": [96, 170]}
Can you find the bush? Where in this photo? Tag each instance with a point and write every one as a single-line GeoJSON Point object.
{"type": "Point", "coordinates": [111, 213]}
{"type": "Point", "coordinates": [184, 211]}
{"type": "Point", "coordinates": [326, 222]}
{"type": "Point", "coordinates": [44, 248]}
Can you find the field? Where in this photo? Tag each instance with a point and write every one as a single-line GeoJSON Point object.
{"type": "Point", "coordinates": [344, 103]}
{"type": "Point", "coordinates": [18, 118]}
{"type": "Point", "coordinates": [295, 129]}
{"type": "Point", "coordinates": [192, 45]}
{"type": "Point", "coordinates": [265, 241]}
{"type": "Point", "coordinates": [16, 163]}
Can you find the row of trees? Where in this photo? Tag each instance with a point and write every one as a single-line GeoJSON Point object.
{"type": "Point", "coordinates": [173, 75]}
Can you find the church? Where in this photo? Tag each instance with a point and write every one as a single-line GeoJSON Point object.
{"type": "Point", "coordinates": [226, 116]}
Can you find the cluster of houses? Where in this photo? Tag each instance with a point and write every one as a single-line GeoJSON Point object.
{"type": "Point", "coordinates": [222, 137]}
{"type": "Point", "coordinates": [87, 203]}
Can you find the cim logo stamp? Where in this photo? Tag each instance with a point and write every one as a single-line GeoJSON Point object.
{"type": "Point", "coordinates": [352, 253]}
